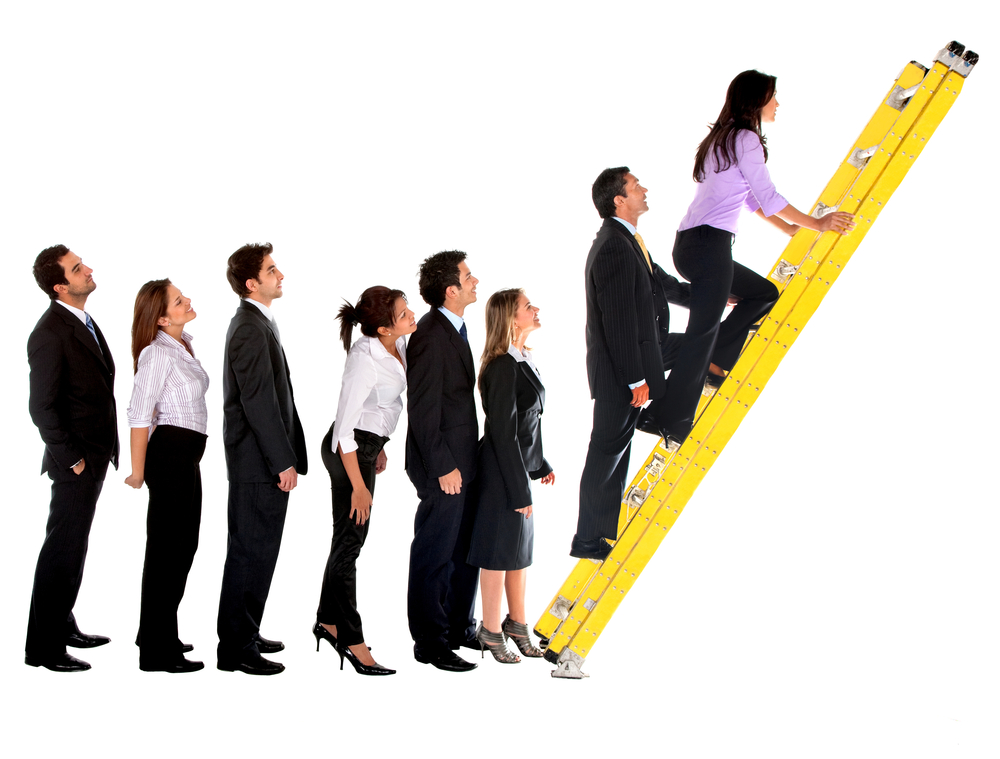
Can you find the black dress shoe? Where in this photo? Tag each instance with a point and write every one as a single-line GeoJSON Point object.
{"type": "Point", "coordinates": [646, 423]}
{"type": "Point", "coordinates": [470, 643]}
{"type": "Point", "coordinates": [57, 663]}
{"type": "Point", "coordinates": [186, 648]}
{"type": "Point", "coordinates": [252, 664]}
{"type": "Point", "coordinates": [82, 640]}
{"type": "Point", "coordinates": [597, 549]}
{"type": "Point", "coordinates": [446, 660]}
{"type": "Point", "coordinates": [174, 666]}
{"type": "Point", "coordinates": [266, 646]}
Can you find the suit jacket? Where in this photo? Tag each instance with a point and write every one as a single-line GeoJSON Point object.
{"type": "Point", "coordinates": [71, 398]}
{"type": "Point", "coordinates": [513, 401]}
{"type": "Point", "coordinates": [261, 429]}
{"type": "Point", "coordinates": [442, 428]}
{"type": "Point", "coordinates": [627, 315]}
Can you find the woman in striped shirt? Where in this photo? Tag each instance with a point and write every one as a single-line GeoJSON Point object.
{"type": "Point", "coordinates": [168, 420]}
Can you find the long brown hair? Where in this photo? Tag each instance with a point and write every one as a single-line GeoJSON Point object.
{"type": "Point", "coordinates": [748, 93]}
{"type": "Point", "coordinates": [501, 309]}
{"type": "Point", "coordinates": [150, 306]}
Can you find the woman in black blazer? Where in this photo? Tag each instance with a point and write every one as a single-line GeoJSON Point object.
{"type": "Point", "coordinates": [510, 454]}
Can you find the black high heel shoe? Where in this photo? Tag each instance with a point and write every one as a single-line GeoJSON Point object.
{"type": "Point", "coordinates": [322, 633]}
{"type": "Point", "coordinates": [361, 669]}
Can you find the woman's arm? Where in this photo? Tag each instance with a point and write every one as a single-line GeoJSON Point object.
{"type": "Point", "coordinates": [138, 440]}
{"type": "Point", "coordinates": [361, 498]}
{"type": "Point", "coordinates": [840, 222]}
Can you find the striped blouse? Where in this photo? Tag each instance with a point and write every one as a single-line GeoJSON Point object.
{"type": "Point", "coordinates": [169, 387]}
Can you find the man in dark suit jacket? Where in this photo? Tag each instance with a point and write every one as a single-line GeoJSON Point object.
{"type": "Point", "coordinates": [441, 443]}
{"type": "Point", "coordinates": [73, 405]}
{"type": "Point", "coordinates": [265, 453]}
{"type": "Point", "coordinates": [627, 342]}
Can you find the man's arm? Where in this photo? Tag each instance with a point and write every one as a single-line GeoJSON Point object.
{"type": "Point", "coordinates": [250, 359]}
{"type": "Point", "coordinates": [614, 270]}
{"type": "Point", "coordinates": [424, 399]}
{"type": "Point", "coordinates": [46, 362]}
{"type": "Point", "coordinates": [675, 291]}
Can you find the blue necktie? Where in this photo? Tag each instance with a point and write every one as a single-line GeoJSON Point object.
{"type": "Point", "coordinates": [90, 326]}
{"type": "Point", "coordinates": [464, 332]}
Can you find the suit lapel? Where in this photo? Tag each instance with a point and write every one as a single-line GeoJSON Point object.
{"type": "Point", "coordinates": [623, 230]}
{"type": "Point", "coordinates": [528, 372]}
{"type": "Point", "coordinates": [98, 348]}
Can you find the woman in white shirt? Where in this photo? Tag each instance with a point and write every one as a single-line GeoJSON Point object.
{"type": "Point", "coordinates": [168, 420]}
{"type": "Point", "coordinates": [369, 407]}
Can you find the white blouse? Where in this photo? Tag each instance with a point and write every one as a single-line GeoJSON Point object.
{"type": "Point", "coordinates": [524, 358]}
{"type": "Point", "coordinates": [370, 392]}
{"type": "Point", "coordinates": [169, 387]}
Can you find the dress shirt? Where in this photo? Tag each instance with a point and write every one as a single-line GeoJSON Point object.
{"type": "Point", "coordinates": [370, 392]}
{"type": "Point", "coordinates": [746, 183]}
{"type": "Point", "coordinates": [169, 387]}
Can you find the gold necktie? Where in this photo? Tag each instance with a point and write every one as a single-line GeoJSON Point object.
{"type": "Point", "coordinates": [645, 252]}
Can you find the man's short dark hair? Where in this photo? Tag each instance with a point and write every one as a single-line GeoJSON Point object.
{"type": "Point", "coordinates": [49, 271]}
{"type": "Point", "coordinates": [437, 274]}
{"type": "Point", "coordinates": [245, 264]}
{"type": "Point", "coordinates": [608, 185]}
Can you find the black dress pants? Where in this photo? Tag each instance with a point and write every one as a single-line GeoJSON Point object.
{"type": "Point", "coordinates": [441, 594]}
{"type": "Point", "coordinates": [173, 520]}
{"type": "Point", "coordinates": [605, 471]}
{"type": "Point", "coordinates": [59, 570]}
{"type": "Point", "coordinates": [256, 522]}
{"type": "Point", "coordinates": [338, 601]}
{"type": "Point", "coordinates": [704, 256]}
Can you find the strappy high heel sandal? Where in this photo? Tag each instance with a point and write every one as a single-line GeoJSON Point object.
{"type": "Point", "coordinates": [493, 642]}
{"type": "Point", "coordinates": [518, 632]}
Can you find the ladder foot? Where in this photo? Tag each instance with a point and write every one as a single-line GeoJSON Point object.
{"type": "Point", "coordinates": [569, 666]}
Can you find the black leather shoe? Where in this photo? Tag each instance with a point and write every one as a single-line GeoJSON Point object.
{"type": "Point", "coordinates": [597, 549]}
{"type": "Point", "coordinates": [646, 423]}
{"type": "Point", "coordinates": [470, 643]}
{"type": "Point", "coordinates": [251, 664]}
{"type": "Point", "coordinates": [446, 660]}
{"type": "Point", "coordinates": [175, 666]}
{"type": "Point", "coordinates": [82, 640]}
{"type": "Point", "coordinates": [266, 646]}
{"type": "Point", "coordinates": [57, 663]}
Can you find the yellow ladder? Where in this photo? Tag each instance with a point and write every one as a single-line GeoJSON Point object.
{"type": "Point", "coordinates": [874, 167]}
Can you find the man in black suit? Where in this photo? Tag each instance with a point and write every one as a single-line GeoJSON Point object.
{"type": "Point", "coordinates": [73, 405]}
{"type": "Point", "coordinates": [441, 444]}
{"type": "Point", "coordinates": [627, 343]}
{"type": "Point", "coordinates": [265, 454]}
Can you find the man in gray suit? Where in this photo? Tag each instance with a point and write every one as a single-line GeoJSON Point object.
{"type": "Point", "coordinates": [265, 454]}
{"type": "Point", "coordinates": [627, 340]}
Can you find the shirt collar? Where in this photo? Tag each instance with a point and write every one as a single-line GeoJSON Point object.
{"type": "Point", "coordinates": [78, 313]}
{"type": "Point", "coordinates": [164, 339]}
{"type": "Point", "coordinates": [625, 224]}
{"type": "Point", "coordinates": [263, 309]}
{"type": "Point", "coordinates": [456, 320]}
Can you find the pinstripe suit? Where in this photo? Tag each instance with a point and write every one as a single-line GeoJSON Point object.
{"type": "Point", "coordinates": [625, 304]}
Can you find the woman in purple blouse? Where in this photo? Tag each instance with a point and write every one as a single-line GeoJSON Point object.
{"type": "Point", "coordinates": [731, 174]}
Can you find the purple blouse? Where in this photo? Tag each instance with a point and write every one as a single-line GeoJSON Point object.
{"type": "Point", "coordinates": [746, 183]}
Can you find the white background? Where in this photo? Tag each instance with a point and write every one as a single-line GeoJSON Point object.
{"type": "Point", "coordinates": [831, 589]}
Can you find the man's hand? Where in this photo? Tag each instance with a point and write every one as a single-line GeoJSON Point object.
{"type": "Point", "coordinates": [640, 394]}
{"type": "Point", "coordinates": [451, 483]}
{"type": "Point", "coordinates": [380, 462]}
{"type": "Point", "coordinates": [135, 480]}
{"type": "Point", "coordinates": [288, 479]}
{"type": "Point", "coordinates": [78, 468]}
{"type": "Point", "coordinates": [526, 511]}
{"type": "Point", "coordinates": [549, 479]}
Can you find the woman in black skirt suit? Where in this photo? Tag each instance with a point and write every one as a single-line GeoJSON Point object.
{"type": "Point", "coordinates": [510, 454]}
